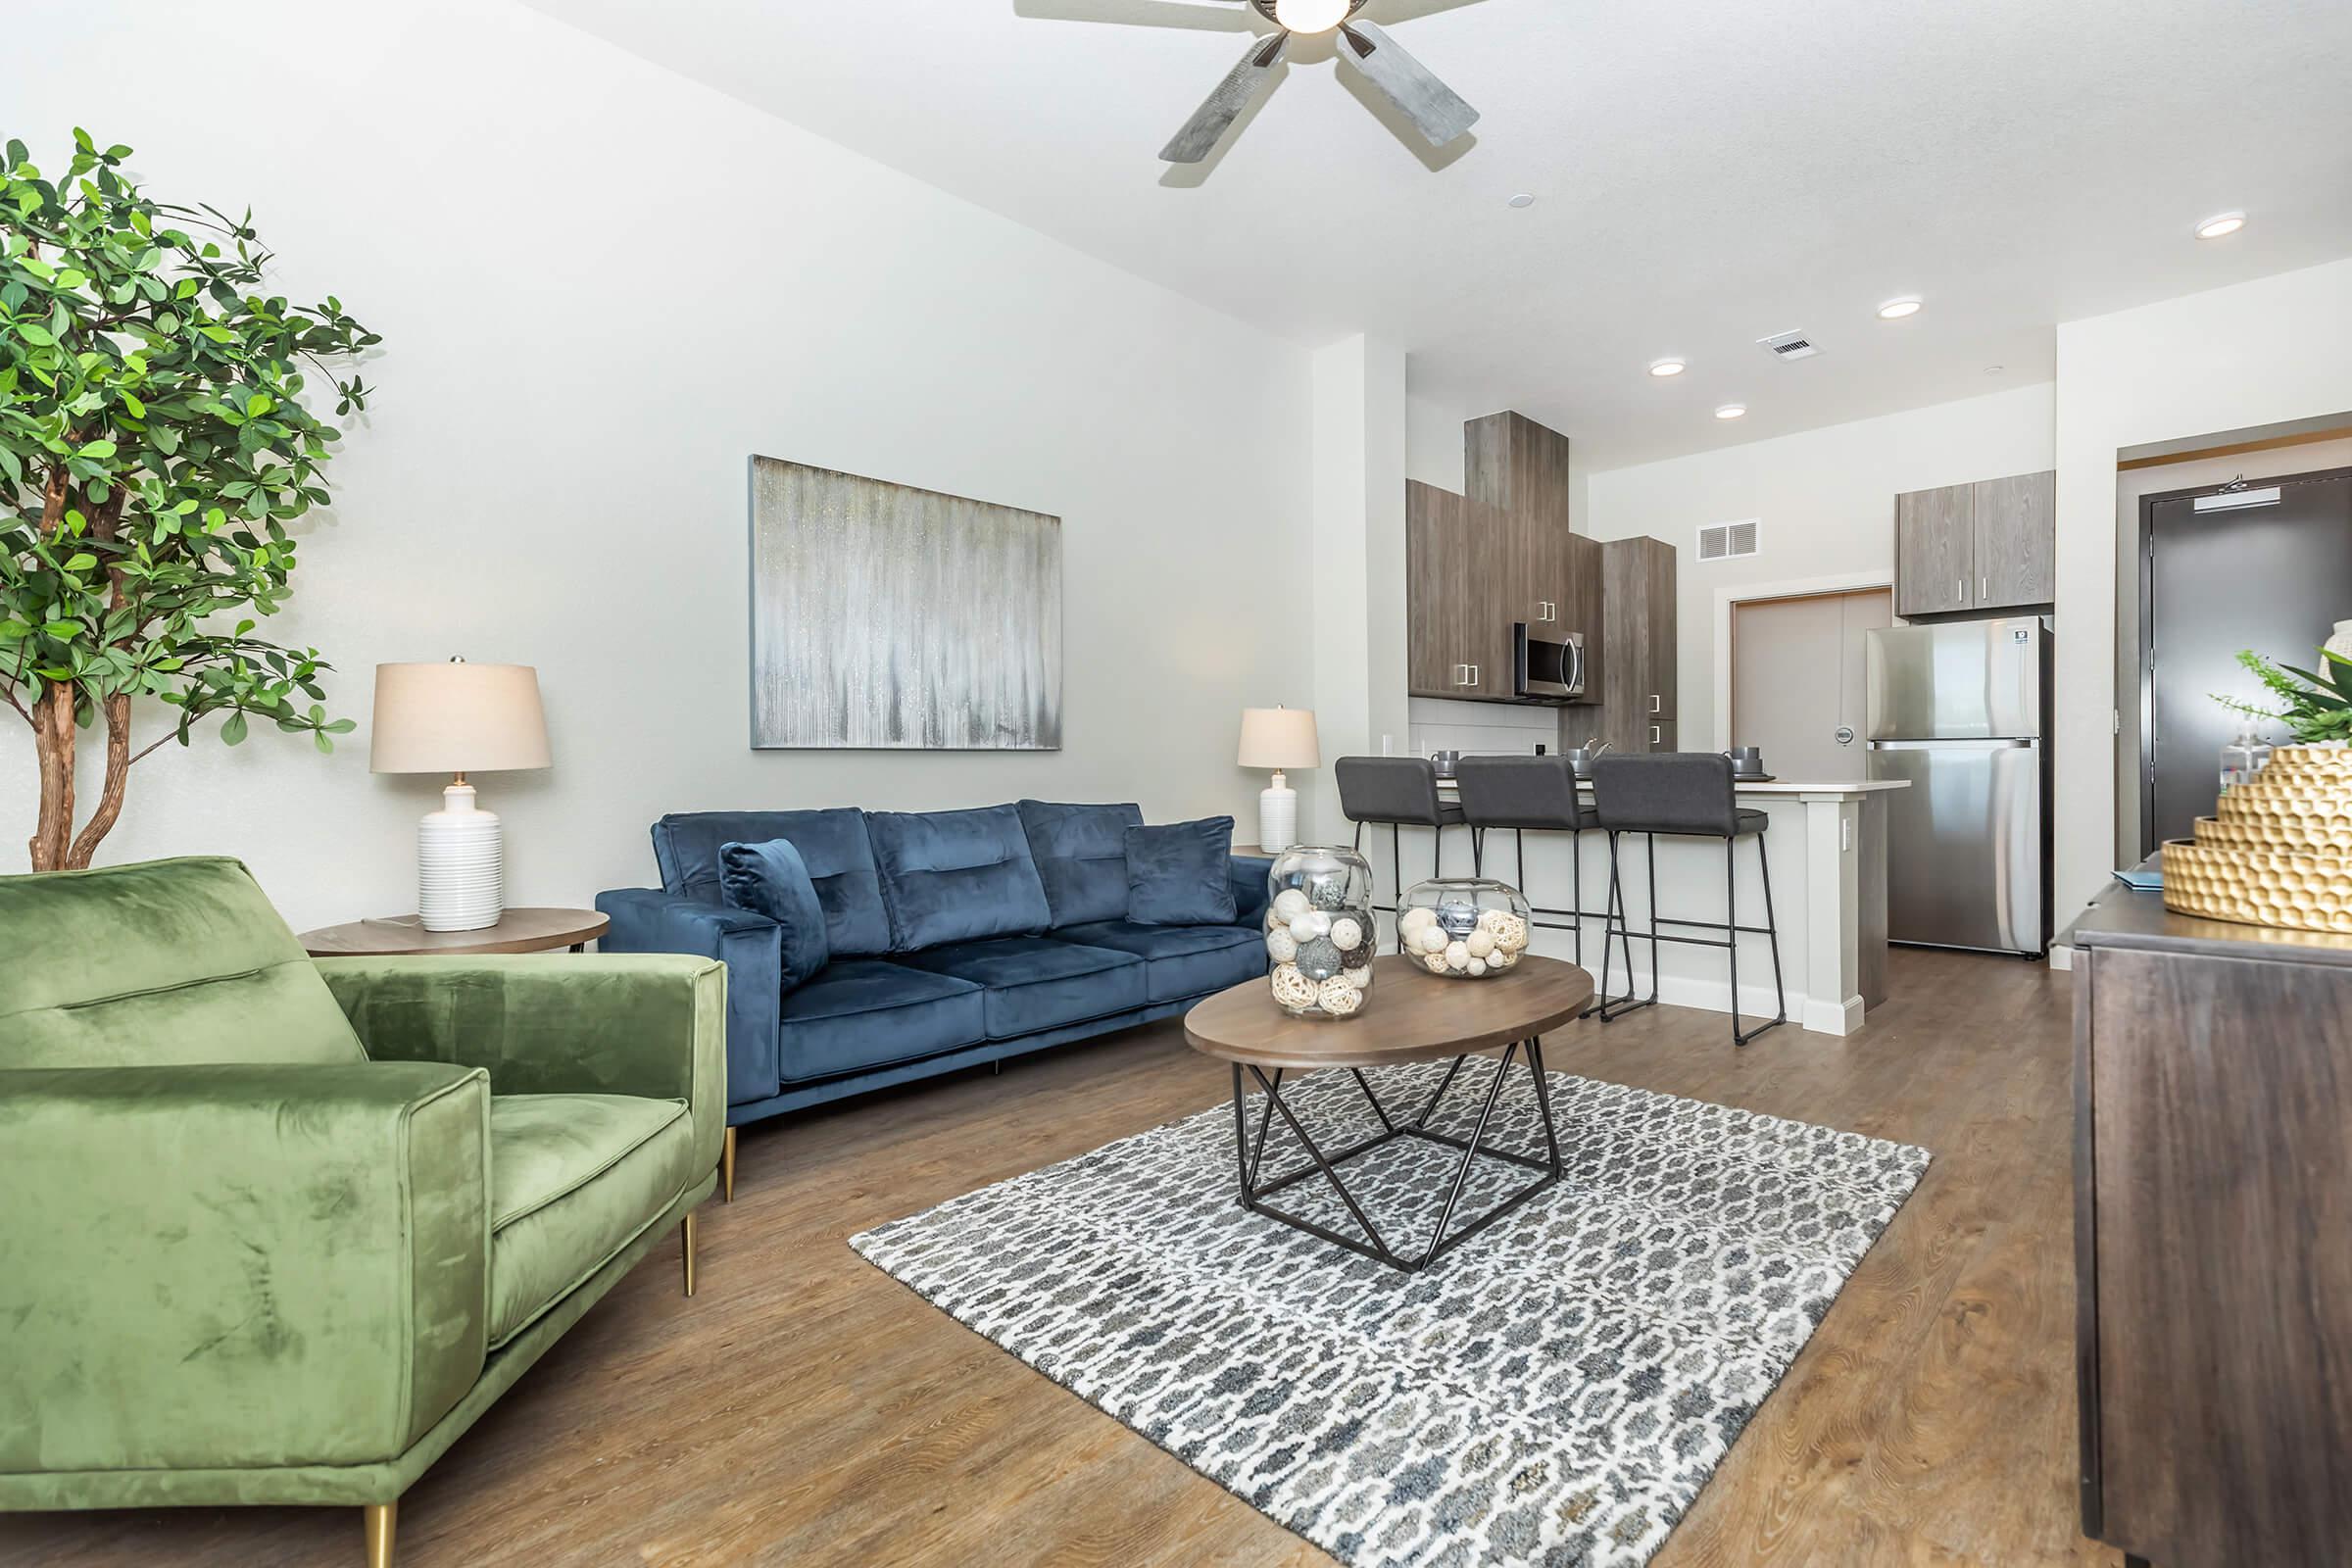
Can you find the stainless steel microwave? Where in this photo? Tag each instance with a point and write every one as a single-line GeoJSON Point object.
{"type": "Point", "coordinates": [1542, 667]}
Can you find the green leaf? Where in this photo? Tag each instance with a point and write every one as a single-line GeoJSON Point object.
{"type": "Point", "coordinates": [81, 560]}
{"type": "Point", "coordinates": [40, 337]}
{"type": "Point", "coordinates": [97, 448]}
{"type": "Point", "coordinates": [233, 731]}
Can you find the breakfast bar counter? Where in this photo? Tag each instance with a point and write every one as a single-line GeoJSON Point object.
{"type": "Point", "coordinates": [1827, 847]}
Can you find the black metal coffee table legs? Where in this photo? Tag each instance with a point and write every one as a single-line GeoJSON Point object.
{"type": "Point", "coordinates": [1249, 1151]}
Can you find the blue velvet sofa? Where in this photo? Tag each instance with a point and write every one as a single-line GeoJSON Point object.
{"type": "Point", "coordinates": [955, 937]}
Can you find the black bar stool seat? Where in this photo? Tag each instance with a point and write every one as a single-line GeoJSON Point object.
{"type": "Point", "coordinates": [1401, 792]}
{"type": "Point", "coordinates": [1518, 793]}
{"type": "Point", "coordinates": [1686, 793]}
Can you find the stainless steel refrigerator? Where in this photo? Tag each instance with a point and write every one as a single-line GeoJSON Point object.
{"type": "Point", "coordinates": [1955, 711]}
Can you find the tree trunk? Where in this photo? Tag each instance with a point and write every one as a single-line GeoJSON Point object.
{"type": "Point", "coordinates": [110, 797]}
{"type": "Point", "coordinates": [53, 749]}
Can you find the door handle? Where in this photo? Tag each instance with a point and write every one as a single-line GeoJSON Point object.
{"type": "Point", "coordinates": [1846, 735]}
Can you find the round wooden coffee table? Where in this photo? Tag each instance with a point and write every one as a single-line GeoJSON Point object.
{"type": "Point", "coordinates": [404, 935]}
{"type": "Point", "coordinates": [1412, 1015]}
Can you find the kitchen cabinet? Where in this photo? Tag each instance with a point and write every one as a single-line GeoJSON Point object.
{"type": "Point", "coordinates": [1985, 546]}
{"type": "Point", "coordinates": [1457, 556]}
{"type": "Point", "coordinates": [1637, 621]}
{"type": "Point", "coordinates": [1478, 564]}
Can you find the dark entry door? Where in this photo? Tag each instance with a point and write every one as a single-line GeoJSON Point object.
{"type": "Point", "coordinates": [2272, 578]}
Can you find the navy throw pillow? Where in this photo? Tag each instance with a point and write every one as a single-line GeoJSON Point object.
{"type": "Point", "coordinates": [772, 880]}
{"type": "Point", "coordinates": [1176, 873]}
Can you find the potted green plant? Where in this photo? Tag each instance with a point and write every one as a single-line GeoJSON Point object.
{"type": "Point", "coordinates": [154, 443]}
{"type": "Point", "coordinates": [2318, 709]}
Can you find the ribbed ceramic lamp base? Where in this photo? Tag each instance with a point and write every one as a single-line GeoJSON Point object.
{"type": "Point", "coordinates": [461, 865]}
{"type": "Point", "coordinates": [1277, 818]}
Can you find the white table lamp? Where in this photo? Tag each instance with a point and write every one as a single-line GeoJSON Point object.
{"type": "Point", "coordinates": [458, 718]}
{"type": "Point", "coordinates": [1277, 738]}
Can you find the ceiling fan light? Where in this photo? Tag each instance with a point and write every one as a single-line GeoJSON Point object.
{"type": "Point", "coordinates": [1311, 16]}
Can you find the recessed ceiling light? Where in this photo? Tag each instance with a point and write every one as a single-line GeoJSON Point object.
{"type": "Point", "coordinates": [1896, 310]}
{"type": "Point", "coordinates": [1665, 368]}
{"type": "Point", "coordinates": [1732, 411]}
{"type": "Point", "coordinates": [2220, 225]}
{"type": "Point", "coordinates": [1523, 199]}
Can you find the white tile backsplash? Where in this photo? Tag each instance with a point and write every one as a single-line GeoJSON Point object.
{"type": "Point", "coordinates": [1439, 725]}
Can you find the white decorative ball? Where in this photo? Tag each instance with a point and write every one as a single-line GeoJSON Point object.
{"type": "Point", "coordinates": [1434, 962]}
{"type": "Point", "coordinates": [1477, 968]}
{"type": "Point", "coordinates": [1510, 931]}
{"type": "Point", "coordinates": [1500, 960]}
{"type": "Point", "coordinates": [1290, 988]}
{"type": "Point", "coordinates": [1320, 921]}
{"type": "Point", "coordinates": [1281, 946]}
{"type": "Point", "coordinates": [1457, 957]}
{"type": "Point", "coordinates": [1345, 934]}
{"type": "Point", "coordinates": [1302, 927]}
{"type": "Point", "coordinates": [1480, 942]}
{"type": "Point", "coordinates": [1361, 979]}
{"type": "Point", "coordinates": [1495, 919]}
{"type": "Point", "coordinates": [1414, 918]}
{"type": "Point", "coordinates": [1432, 940]}
{"type": "Point", "coordinates": [1338, 998]}
{"type": "Point", "coordinates": [1290, 904]}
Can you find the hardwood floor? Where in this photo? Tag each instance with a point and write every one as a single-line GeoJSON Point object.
{"type": "Point", "coordinates": [804, 1408]}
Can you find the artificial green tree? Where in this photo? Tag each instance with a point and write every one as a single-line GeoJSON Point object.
{"type": "Point", "coordinates": [153, 445]}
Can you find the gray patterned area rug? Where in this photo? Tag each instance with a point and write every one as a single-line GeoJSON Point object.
{"type": "Point", "coordinates": [1555, 1390]}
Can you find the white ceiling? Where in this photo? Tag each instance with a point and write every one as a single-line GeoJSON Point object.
{"type": "Point", "coordinates": [1706, 173]}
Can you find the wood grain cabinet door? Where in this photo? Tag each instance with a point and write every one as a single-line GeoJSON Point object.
{"type": "Point", "coordinates": [2015, 539]}
{"type": "Point", "coordinates": [1435, 590]}
{"type": "Point", "coordinates": [1934, 551]}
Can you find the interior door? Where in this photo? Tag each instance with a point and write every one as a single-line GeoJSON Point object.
{"type": "Point", "coordinates": [1809, 726]}
{"type": "Point", "coordinates": [2272, 578]}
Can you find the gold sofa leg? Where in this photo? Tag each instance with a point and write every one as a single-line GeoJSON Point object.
{"type": "Point", "coordinates": [726, 1169]}
{"type": "Point", "coordinates": [381, 1517]}
{"type": "Point", "coordinates": [686, 1238]}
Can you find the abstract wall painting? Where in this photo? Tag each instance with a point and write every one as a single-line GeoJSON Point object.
{"type": "Point", "coordinates": [884, 616]}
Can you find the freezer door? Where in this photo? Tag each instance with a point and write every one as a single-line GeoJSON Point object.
{"type": "Point", "coordinates": [1963, 843]}
{"type": "Point", "coordinates": [1963, 679]}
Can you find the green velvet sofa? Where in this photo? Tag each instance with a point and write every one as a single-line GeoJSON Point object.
{"type": "Point", "coordinates": [277, 1231]}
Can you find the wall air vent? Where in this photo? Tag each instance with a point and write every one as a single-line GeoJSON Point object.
{"type": "Point", "coordinates": [1728, 541]}
{"type": "Point", "coordinates": [1789, 346]}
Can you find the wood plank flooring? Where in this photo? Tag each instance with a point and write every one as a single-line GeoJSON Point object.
{"type": "Point", "coordinates": [804, 1408]}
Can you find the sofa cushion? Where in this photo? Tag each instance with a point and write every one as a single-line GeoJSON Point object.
{"type": "Point", "coordinates": [833, 845]}
{"type": "Point", "coordinates": [1081, 855]}
{"type": "Point", "coordinates": [164, 964]}
{"type": "Point", "coordinates": [865, 1012]}
{"type": "Point", "coordinates": [772, 879]}
{"type": "Point", "coordinates": [572, 1179]}
{"type": "Point", "coordinates": [956, 876]}
{"type": "Point", "coordinates": [1180, 960]}
{"type": "Point", "coordinates": [1178, 873]}
{"type": "Point", "coordinates": [1041, 982]}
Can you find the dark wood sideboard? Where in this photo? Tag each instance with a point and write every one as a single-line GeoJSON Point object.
{"type": "Point", "coordinates": [2212, 1237]}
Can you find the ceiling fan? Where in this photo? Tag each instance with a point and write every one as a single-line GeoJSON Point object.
{"type": "Point", "coordinates": [1434, 109]}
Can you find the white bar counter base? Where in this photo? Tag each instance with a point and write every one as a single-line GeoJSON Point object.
{"type": "Point", "coordinates": [1828, 844]}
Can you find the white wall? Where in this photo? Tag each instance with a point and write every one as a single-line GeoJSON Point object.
{"type": "Point", "coordinates": [1827, 501]}
{"type": "Point", "coordinates": [601, 289]}
{"type": "Point", "coordinates": [2273, 350]}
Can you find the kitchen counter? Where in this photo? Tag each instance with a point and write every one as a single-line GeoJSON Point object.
{"type": "Point", "coordinates": [1827, 847]}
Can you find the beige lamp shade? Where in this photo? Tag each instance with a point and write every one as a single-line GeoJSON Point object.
{"type": "Point", "coordinates": [1277, 738]}
{"type": "Point", "coordinates": [456, 718]}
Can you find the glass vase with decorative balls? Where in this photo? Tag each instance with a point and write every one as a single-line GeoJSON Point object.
{"type": "Point", "coordinates": [1319, 931]}
{"type": "Point", "coordinates": [1464, 928]}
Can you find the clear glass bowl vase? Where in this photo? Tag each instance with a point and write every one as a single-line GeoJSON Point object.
{"type": "Point", "coordinates": [1319, 932]}
{"type": "Point", "coordinates": [1464, 928]}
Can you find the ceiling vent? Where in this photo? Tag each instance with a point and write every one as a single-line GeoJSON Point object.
{"type": "Point", "coordinates": [1789, 346]}
{"type": "Point", "coordinates": [1728, 541]}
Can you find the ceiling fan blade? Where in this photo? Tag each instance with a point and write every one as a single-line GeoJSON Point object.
{"type": "Point", "coordinates": [1436, 109]}
{"type": "Point", "coordinates": [1213, 16]}
{"type": "Point", "coordinates": [1215, 116]}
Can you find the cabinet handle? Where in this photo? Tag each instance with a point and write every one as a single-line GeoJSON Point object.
{"type": "Point", "coordinates": [1985, 589]}
{"type": "Point", "coordinates": [1473, 680]}
{"type": "Point", "coordinates": [1654, 705]}
{"type": "Point", "coordinates": [1959, 590]}
{"type": "Point", "coordinates": [1656, 735]}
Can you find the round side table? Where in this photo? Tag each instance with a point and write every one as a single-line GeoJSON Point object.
{"type": "Point", "coordinates": [403, 936]}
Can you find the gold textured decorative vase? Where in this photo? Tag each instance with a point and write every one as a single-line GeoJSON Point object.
{"type": "Point", "coordinates": [2279, 849]}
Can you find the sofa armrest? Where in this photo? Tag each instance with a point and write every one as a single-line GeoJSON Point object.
{"type": "Point", "coordinates": [235, 1265]}
{"type": "Point", "coordinates": [751, 946]}
{"type": "Point", "coordinates": [647, 1024]}
{"type": "Point", "coordinates": [1248, 873]}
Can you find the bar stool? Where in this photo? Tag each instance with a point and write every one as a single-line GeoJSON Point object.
{"type": "Point", "coordinates": [1687, 794]}
{"type": "Point", "coordinates": [1523, 792]}
{"type": "Point", "coordinates": [1403, 791]}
